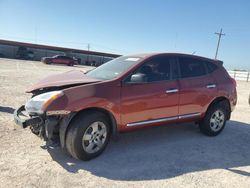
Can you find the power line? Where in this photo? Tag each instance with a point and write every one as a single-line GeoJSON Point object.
{"type": "Point", "coordinates": [218, 44]}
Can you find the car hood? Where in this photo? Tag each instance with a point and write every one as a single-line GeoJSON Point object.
{"type": "Point", "coordinates": [70, 78]}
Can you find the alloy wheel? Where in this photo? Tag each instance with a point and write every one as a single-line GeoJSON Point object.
{"type": "Point", "coordinates": [94, 137]}
{"type": "Point", "coordinates": [217, 120]}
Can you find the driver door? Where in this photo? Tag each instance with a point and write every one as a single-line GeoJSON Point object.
{"type": "Point", "coordinates": [155, 100]}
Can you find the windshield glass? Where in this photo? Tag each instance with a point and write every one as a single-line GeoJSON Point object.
{"type": "Point", "coordinates": [113, 68]}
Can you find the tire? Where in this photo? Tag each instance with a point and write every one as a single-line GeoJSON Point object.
{"type": "Point", "coordinates": [215, 119]}
{"type": "Point", "coordinates": [86, 137]}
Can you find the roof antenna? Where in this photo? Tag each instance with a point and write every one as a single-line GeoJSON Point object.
{"type": "Point", "coordinates": [193, 52]}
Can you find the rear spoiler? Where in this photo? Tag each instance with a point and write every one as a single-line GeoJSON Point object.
{"type": "Point", "coordinates": [219, 62]}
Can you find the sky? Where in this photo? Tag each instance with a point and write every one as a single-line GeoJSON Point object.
{"type": "Point", "coordinates": [134, 26]}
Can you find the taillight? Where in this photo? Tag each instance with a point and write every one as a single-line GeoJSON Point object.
{"type": "Point", "coordinates": [234, 82]}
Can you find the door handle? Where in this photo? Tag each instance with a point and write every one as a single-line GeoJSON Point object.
{"type": "Point", "coordinates": [209, 86]}
{"type": "Point", "coordinates": [172, 91]}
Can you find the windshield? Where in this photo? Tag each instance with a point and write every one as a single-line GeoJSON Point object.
{"type": "Point", "coordinates": [113, 68]}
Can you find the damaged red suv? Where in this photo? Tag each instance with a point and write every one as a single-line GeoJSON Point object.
{"type": "Point", "coordinates": [125, 94]}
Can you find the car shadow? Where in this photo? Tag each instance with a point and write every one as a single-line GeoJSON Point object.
{"type": "Point", "coordinates": [166, 151]}
{"type": "Point", "coordinates": [7, 109]}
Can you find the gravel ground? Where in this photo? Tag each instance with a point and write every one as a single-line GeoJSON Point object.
{"type": "Point", "coordinates": [165, 156]}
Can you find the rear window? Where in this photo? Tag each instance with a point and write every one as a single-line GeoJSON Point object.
{"type": "Point", "coordinates": [190, 67]}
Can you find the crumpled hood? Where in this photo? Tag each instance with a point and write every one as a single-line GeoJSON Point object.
{"type": "Point", "coordinates": [73, 77]}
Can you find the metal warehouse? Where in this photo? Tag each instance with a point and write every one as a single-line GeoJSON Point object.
{"type": "Point", "coordinates": [21, 50]}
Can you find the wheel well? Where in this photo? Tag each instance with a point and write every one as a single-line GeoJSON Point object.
{"type": "Point", "coordinates": [222, 99]}
{"type": "Point", "coordinates": [65, 123]}
{"type": "Point", "coordinates": [108, 114]}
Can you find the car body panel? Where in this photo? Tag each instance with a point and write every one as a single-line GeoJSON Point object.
{"type": "Point", "coordinates": [226, 86]}
{"type": "Point", "coordinates": [60, 60]}
{"type": "Point", "coordinates": [102, 95]}
{"type": "Point", "coordinates": [194, 94]}
{"type": "Point", "coordinates": [63, 79]}
{"type": "Point", "coordinates": [149, 103]}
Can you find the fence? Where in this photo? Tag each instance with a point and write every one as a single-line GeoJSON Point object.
{"type": "Point", "coordinates": [240, 75]}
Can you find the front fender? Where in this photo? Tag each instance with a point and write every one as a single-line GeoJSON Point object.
{"type": "Point", "coordinates": [113, 109]}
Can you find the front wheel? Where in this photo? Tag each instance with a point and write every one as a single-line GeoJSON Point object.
{"type": "Point", "coordinates": [214, 120]}
{"type": "Point", "coordinates": [88, 135]}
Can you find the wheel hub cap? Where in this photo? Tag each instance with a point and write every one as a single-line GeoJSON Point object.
{"type": "Point", "coordinates": [94, 137]}
{"type": "Point", "coordinates": [217, 120]}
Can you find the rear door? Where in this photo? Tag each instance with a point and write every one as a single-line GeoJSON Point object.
{"type": "Point", "coordinates": [155, 100]}
{"type": "Point", "coordinates": [197, 86]}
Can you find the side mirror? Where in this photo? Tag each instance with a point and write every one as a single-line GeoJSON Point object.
{"type": "Point", "coordinates": [138, 78]}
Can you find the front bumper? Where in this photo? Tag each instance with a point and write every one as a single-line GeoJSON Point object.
{"type": "Point", "coordinates": [25, 120]}
{"type": "Point", "coordinates": [43, 126]}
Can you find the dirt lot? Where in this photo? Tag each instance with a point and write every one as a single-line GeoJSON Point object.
{"type": "Point", "coordinates": [166, 156]}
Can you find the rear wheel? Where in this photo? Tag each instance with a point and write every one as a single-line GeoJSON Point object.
{"type": "Point", "coordinates": [88, 135]}
{"type": "Point", "coordinates": [215, 119]}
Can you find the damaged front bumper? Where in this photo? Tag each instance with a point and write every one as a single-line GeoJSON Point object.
{"type": "Point", "coordinates": [25, 121]}
{"type": "Point", "coordinates": [41, 125]}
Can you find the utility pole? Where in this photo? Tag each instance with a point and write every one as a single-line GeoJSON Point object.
{"type": "Point", "coordinates": [88, 46]}
{"type": "Point", "coordinates": [218, 44]}
{"type": "Point", "coordinates": [35, 35]}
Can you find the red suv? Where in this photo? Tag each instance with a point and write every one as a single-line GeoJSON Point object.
{"type": "Point", "coordinates": [60, 59]}
{"type": "Point", "coordinates": [129, 93]}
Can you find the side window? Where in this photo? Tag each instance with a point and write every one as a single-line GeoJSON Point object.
{"type": "Point", "coordinates": [190, 67]}
{"type": "Point", "coordinates": [64, 57]}
{"type": "Point", "coordinates": [175, 70]}
{"type": "Point", "coordinates": [211, 67]}
{"type": "Point", "coordinates": [155, 69]}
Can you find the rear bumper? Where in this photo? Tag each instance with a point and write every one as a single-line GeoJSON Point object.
{"type": "Point", "coordinates": [29, 121]}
